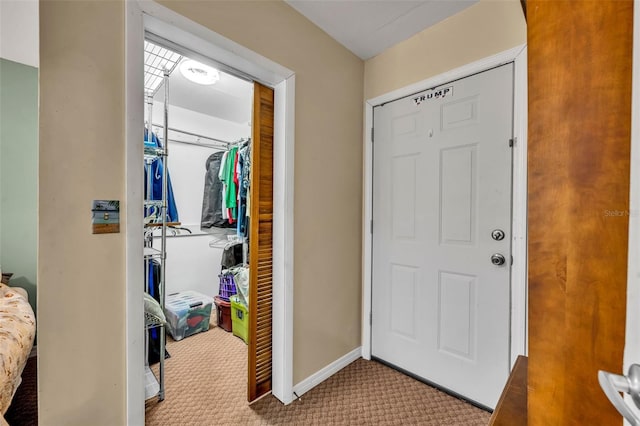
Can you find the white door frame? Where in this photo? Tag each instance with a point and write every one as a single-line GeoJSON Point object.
{"type": "Point", "coordinates": [147, 15]}
{"type": "Point", "coordinates": [632, 338]}
{"type": "Point", "coordinates": [517, 55]}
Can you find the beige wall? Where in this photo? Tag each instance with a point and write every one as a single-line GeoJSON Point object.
{"type": "Point", "coordinates": [328, 173]}
{"type": "Point", "coordinates": [81, 290]}
{"type": "Point", "coordinates": [81, 277]}
{"type": "Point", "coordinates": [484, 29]}
{"type": "Point", "coordinates": [81, 287]}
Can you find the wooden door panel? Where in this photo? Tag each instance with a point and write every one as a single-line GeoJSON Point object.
{"type": "Point", "coordinates": [261, 244]}
{"type": "Point", "coordinates": [579, 59]}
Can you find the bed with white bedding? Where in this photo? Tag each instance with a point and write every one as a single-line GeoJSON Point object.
{"type": "Point", "coordinates": [17, 333]}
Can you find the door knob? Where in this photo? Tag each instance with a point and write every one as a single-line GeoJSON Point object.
{"type": "Point", "coordinates": [497, 234]}
{"type": "Point", "coordinates": [612, 384]}
{"type": "Point", "coordinates": [497, 259]}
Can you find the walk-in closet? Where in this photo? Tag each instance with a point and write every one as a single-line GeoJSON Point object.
{"type": "Point", "coordinates": [199, 257]}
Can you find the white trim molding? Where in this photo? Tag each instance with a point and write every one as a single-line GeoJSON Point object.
{"type": "Point", "coordinates": [141, 16]}
{"type": "Point", "coordinates": [367, 235]}
{"type": "Point", "coordinates": [632, 338]}
{"type": "Point", "coordinates": [134, 273]}
{"type": "Point", "coordinates": [283, 160]}
{"type": "Point", "coordinates": [519, 269]}
{"type": "Point", "coordinates": [321, 375]}
{"type": "Point", "coordinates": [518, 56]}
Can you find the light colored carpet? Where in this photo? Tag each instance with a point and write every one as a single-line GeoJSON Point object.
{"type": "Point", "coordinates": [206, 385]}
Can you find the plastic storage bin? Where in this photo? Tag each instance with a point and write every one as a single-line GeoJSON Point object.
{"type": "Point", "coordinates": [227, 286]}
{"type": "Point", "coordinates": [239, 319]}
{"type": "Point", "coordinates": [224, 313]}
{"type": "Point", "coordinates": [188, 312]}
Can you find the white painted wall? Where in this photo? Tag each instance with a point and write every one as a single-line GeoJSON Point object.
{"type": "Point", "coordinates": [191, 263]}
{"type": "Point", "coordinates": [19, 31]}
{"type": "Point", "coordinates": [187, 162]}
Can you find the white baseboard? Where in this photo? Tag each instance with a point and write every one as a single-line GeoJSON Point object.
{"type": "Point", "coordinates": [315, 379]}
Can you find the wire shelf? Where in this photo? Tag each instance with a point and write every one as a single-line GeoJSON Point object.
{"type": "Point", "coordinates": [222, 237]}
{"type": "Point", "coordinates": [157, 59]}
{"type": "Point", "coordinates": [150, 252]}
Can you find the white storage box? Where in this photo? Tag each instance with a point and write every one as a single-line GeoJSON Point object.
{"type": "Point", "coordinates": [188, 312]}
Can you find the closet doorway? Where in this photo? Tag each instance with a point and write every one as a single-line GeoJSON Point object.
{"type": "Point", "coordinates": [201, 111]}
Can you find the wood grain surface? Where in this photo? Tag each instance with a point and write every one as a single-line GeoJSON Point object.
{"type": "Point", "coordinates": [261, 244]}
{"type": "Point", "coordinates": [579, 160]}
{"type": "Point", "coordinates": [512, 406]}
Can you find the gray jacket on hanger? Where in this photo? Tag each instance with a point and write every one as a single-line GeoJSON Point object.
{"type": "Point", "coordinates": [212, 198]}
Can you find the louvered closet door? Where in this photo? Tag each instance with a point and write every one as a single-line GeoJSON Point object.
{"type": "Point", "coordinates": [260, 244]}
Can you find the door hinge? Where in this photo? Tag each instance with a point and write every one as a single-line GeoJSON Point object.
{"type": "Point", "coordinates": [512, 142]}
{"type": "Point", "coordinates": [370, 318]}
{"type": "Point", "coordinates": [511, 260]}
{"type": "Point", "coordinates": [372, 133]}
{"type": "Point", "coordinates": [371, 226]}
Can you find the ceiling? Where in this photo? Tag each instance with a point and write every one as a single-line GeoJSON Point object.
{"type": "Point", "coordinates": [230, 98]}
{"type": "Point", "coordinates": [368, 27]}
{"type": "Point", "coordinates": [365, 27]}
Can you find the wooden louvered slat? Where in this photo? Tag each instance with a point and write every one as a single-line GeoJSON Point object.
{"type": "Point", "coordinates": [264, 360]}
{"type": "Point", "coordinates": [260, 244]}
{"type": "Point", "coordinates": [265, 319]}
{"type": "Point", "coordinates": [264, 363]}
{"type": "Point", "coordinates": [264, 324]}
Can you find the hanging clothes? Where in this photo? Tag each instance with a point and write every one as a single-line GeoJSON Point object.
{"type": "Point", "coordinates": [231, 255]}
{"type": "Point", "coordinates": [226, 176]}
{"type": "Point", "coordinates": [155, 168]}
{"type": "Point", "coordinates": [223, 192]}
{"type": "Point", "coordinates": [212, 197]}
{"type": "Point", "coordinates": [153, 351]}
{"type": "Point", "coordinates": [226, 189]}
{"type": "Point", "coordinates": [244, 161]}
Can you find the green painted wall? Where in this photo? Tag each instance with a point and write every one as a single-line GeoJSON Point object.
{"type": "Point", "coordinates": [19, 174]}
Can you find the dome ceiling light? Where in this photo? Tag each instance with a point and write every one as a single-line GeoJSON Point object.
{"type": "Point", "coordinates": [199, 73]}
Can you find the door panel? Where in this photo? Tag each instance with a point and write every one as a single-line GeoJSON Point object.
{"type": "Point", "coordinates": [402, 297]}
{"type": "Point", "coordinates": [456, 314]}
{"type": "Point", "coordinates": [403, 194]}
{"type": "Point", "coordinates": [260, 244]}
{"type": "Point", "coordinates": [579, 163]}
{"type": "Point", "coordinates": [457, 195]}
{"type": "Point", "coordinates": [442, 184]}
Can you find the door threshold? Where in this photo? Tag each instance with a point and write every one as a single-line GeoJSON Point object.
{"type": "Point", "coordinates": [432, 384]}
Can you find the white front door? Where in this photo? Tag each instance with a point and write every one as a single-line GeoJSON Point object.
{"type": "Point", "coordinates": [441, 186]}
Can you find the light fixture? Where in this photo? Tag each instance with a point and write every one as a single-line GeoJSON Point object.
{"type": "Point", "coordinates": [199, 73]}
